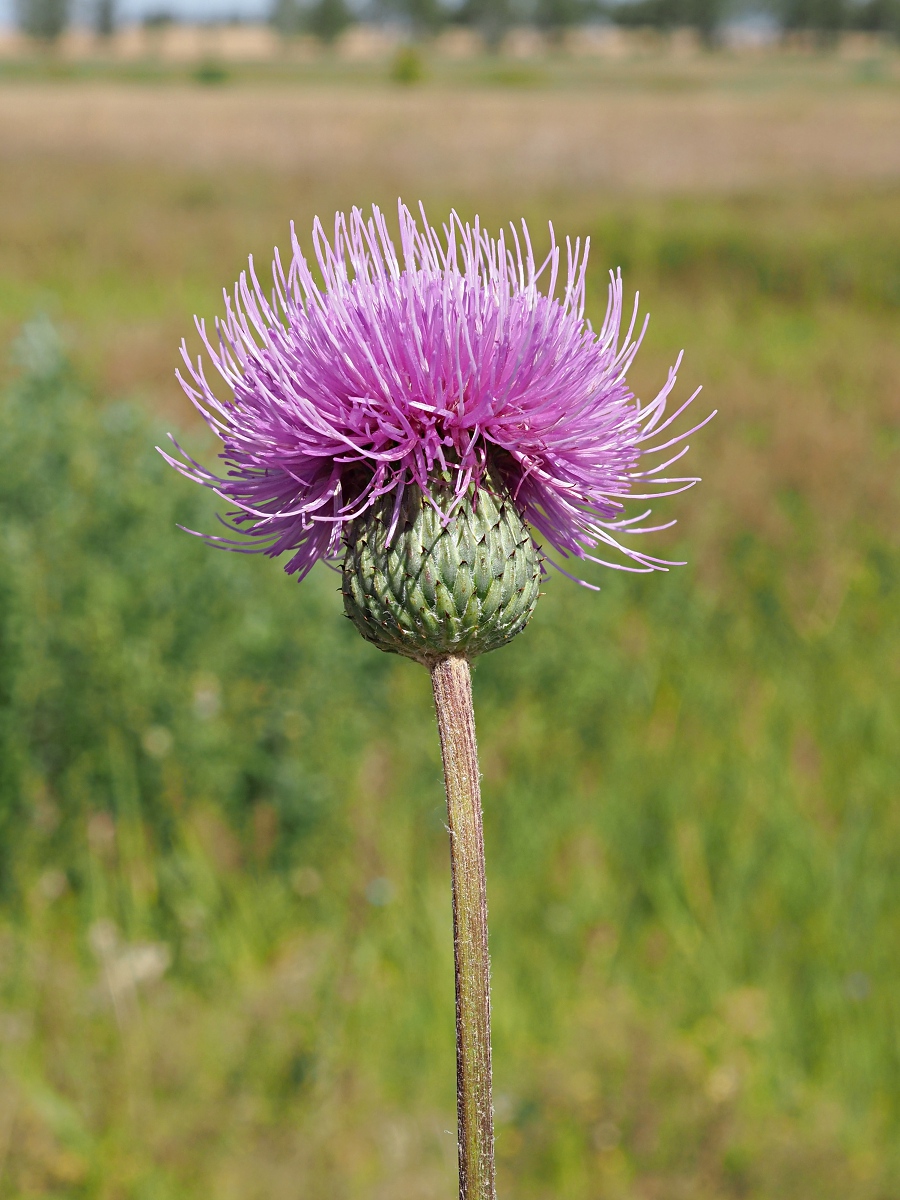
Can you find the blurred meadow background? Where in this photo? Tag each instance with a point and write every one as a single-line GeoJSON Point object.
{"type": "Point", "coordinates": [225, 930]}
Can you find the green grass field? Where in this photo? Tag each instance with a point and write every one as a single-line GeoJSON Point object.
{"type": "Point", "coordinates": [225, 942]}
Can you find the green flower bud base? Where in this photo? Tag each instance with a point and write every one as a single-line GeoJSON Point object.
{"type": "Point", "coordinates": [461, 586]}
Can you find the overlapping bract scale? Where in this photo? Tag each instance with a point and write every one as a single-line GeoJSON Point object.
{"type": "Point", "coordinates": [437, 586]}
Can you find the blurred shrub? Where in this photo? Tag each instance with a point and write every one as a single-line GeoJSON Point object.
{"type": "Point", "coordinates": [140, 672]}
{"type": "Point", "coordinates": [210, 73]}
{"type": "Point", "coordinates": [407, 66]}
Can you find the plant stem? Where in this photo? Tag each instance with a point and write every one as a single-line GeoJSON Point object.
{"type": "Point", "coordinates": [452, 685]}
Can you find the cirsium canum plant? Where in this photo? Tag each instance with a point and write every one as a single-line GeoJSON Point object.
{"type": "Point", "coordinates": [442, 423]}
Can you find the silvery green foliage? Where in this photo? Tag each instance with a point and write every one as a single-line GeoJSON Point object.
{"type": "Point", "coordinates": [39, 350]}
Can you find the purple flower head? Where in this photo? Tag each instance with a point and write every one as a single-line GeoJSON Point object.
{"type": "Point", "coordinates": [437, 362]}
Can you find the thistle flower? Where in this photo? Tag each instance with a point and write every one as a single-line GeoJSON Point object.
{"type": "Point", "coordinates": [442, 366]}
{"type": "Point", "coordinates": [417, 417]}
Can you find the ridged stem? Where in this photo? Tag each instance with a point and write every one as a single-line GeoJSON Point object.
{"type": "Point", "coordinates": [452, 685]}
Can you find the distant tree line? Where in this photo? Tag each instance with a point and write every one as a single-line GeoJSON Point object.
{"type": "Point", "coordinates": [824, 19]}
{"type": "Point", "coordinates": [425, 18]}
{"type": "Point", "coordinates": [828, 18]}
{"type": "Point", "coordinates": [45, 20]}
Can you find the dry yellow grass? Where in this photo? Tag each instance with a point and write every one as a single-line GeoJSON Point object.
{"type": "Point", "coordinates": [471, 142]}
